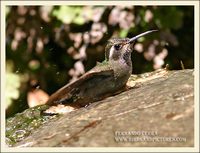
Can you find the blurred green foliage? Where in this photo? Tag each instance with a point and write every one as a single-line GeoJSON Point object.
{"type": "Point", "coordinates": [12, 84]}
{"type": "Point", "coordinates": [50, 45]}
{"type": "Point", "coordinates": [171, 14]}
{"type": "Point", "coordinates": [70, 14]}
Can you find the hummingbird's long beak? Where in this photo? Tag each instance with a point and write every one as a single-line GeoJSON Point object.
{"type": "Point", "coordinates": [140, 35]}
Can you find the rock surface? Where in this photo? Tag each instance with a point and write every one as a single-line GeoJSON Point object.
{"type": "Point", "coordinates": [157, 111]}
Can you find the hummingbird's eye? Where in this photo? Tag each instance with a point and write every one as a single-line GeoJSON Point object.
{"type": "Point", "coordinates": [117, 46]}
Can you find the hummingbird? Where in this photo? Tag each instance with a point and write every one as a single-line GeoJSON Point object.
{"type": "Point", "coordinates": [104, 79]}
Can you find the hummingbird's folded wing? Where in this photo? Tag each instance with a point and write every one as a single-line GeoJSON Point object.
{"type": "Point", "coordinates": [69, 92]}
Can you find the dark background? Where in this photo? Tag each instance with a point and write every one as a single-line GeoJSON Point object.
{"type": "Point", "coordinates": [46, 47]}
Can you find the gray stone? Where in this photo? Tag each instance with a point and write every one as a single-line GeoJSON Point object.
{"type": "Point", "coordinates": [157, 111]}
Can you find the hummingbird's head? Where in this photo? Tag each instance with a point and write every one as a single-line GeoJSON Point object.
{"type": "Point", "coordinates": [116, 47]}
{"type": "Point", "coordinates": [121, 48]}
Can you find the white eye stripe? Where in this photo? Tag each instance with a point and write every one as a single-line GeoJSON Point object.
{"type": "Point", "coordinates": [112, 49]}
